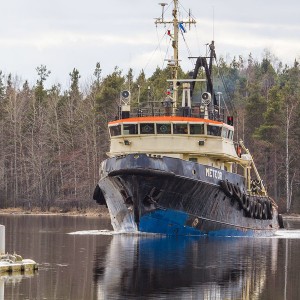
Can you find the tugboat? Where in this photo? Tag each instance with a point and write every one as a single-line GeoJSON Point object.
{"type": "Point", "coordinates": [175, 169]}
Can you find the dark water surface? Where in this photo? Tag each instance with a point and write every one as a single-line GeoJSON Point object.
{"type": "Point", "coordinates": [100, 265]}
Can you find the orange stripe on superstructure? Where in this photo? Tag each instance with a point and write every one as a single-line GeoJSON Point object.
{"type": "Point", "coordinates": [164, 119]}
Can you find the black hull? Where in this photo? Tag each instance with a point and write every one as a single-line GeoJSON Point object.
{"type": "Point", "coordinates": [177, 197]}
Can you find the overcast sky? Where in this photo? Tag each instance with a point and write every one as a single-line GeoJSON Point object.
{"type": "Point", "coordinates": [67, 34]}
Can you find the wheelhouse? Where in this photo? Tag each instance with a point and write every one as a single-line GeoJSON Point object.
{"type": "Point", "coordinates": [205, 141]}
{"type": "Point", "coordinates": [170, 126]}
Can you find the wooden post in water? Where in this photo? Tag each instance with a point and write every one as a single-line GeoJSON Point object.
{"type": "Point", "coordinates": [2, 251]}
{"type": "Point", "coordinates": [2, 240]}
{"type": "Point", "coordinates": [1, 289]}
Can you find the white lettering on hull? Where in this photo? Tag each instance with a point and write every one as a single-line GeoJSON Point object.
{"type": "Point", "coordinates": [213, 173]}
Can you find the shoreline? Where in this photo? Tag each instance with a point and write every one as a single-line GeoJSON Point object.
{"type": "Point", "coordinates": [100, 211]}
{"type": "Point", "coordinates": [90, 212]}
{"type": "Point", "coordinates": [291, 216]}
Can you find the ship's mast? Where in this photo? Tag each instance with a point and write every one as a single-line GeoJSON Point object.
{"type": "Point", "coordinates": [174, 62]}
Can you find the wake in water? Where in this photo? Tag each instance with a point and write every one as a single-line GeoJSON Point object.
{"type": "Point", "coordinates": [282, 233]}
{"type": "Point", "coordinates": [93, 232]}
{"type": "Point", "coordinates": [111, 232]}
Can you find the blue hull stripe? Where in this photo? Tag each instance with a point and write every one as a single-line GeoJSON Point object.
{"type": "Point", "coordinates": [171, 222]}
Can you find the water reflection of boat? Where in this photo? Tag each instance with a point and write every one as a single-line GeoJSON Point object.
{"type": "Point", "coordinates": [181, 267]}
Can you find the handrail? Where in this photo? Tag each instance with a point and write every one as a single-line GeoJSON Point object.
{"type": "Point", "coordinates": [263, 190]}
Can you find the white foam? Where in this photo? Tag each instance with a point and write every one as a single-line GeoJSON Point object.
{"type": "Point", "coordinates": [93, 232]}
{"type": "Point", "coordinates": [281, 234]}
{"type": "Point", "coordinates": [111, 232]}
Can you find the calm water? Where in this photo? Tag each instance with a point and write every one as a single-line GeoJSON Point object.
{"type": "Point", "coordinates": [99, 265]}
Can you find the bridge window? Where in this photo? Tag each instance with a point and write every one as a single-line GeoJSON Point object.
{"type": "Point", "coordinates": [163, 128]}
{"type": "Point", "coordinates": [225, 132]}
{"type": "Point", "coordinates": [230, 134]}
{"type": "Point", "coordinates": [115, 130]}
{"type": "Point", "coordinates": [193, 159]}
{"type": "Point", "coordinates": [130, 129]}
{"type": "Point", "coordinates": [196, 128]}
{"type": "Point", "coordinates": [180, 129]}
{"type": "Point", "coordinates": [147, 128]}
{"type": "Point", "coordinates": [214, 130]}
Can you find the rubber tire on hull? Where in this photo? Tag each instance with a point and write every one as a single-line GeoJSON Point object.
{"type": "Point", "coordinates": [260, 211]}
{"type": "Point", "coordinates": [98, 196]}
{"type": "Point", "coordinates": [264, 210]}
{"type": "Point", "coordinates": [226, 187]}
{"type": "Point", "coordinates": [246, 203]}
{"type": "Point", "coordinates": [269, 209]}
{"type": "Point", "coordinates": [252, 209]}
{"type": "Point", "coordinates": [257, 211]}
{"type": "Point", "coordinates": [236, 192]}
{"type": "Point", "coordinates": [280, 221]}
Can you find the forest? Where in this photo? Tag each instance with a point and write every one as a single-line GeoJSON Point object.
{"type": "Point", "coordinates": [53, 140]}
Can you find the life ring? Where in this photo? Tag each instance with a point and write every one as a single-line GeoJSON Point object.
{"type": "Point", "coordinates": [226, 187]}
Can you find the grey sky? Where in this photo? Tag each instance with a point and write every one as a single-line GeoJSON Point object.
{"type": "Point", "coordinates": [65, 34]}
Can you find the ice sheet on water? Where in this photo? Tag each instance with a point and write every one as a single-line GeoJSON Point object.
{"type": "Point", "coordinates": [287, 234]}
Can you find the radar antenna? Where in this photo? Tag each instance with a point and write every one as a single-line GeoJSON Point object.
{"type": "Point", "coordinates": [162, 10]}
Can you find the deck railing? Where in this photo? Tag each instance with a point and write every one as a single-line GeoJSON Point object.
{"type": "Point", "coordinates": [196, 111]}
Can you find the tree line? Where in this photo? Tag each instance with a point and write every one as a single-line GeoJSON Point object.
{"type": "Point", "coordinates": [53, 140]}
